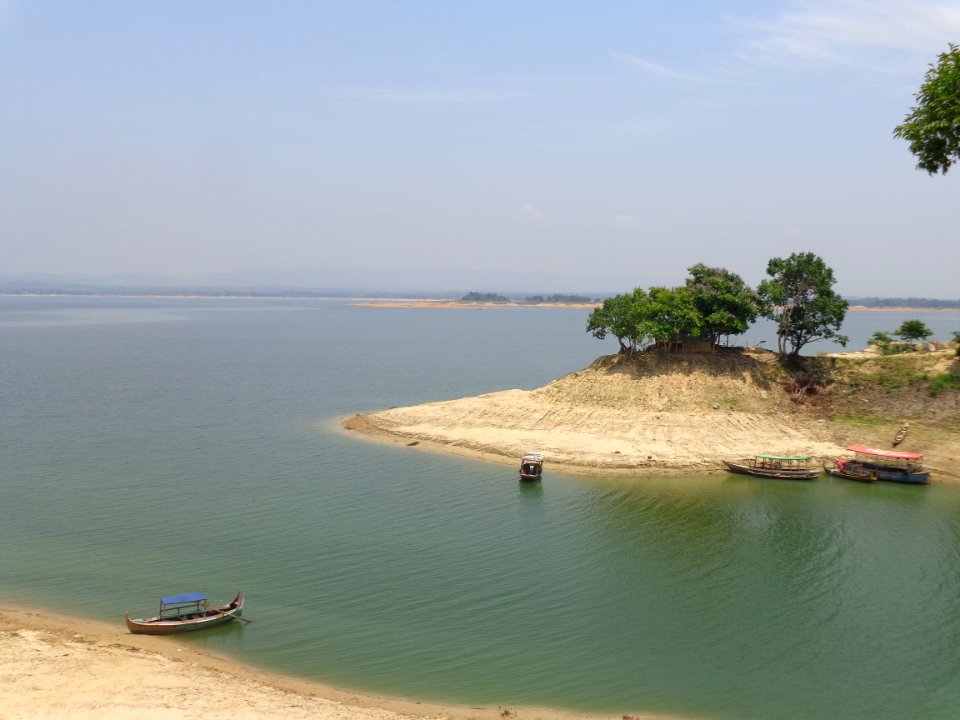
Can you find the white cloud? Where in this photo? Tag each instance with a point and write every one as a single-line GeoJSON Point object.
{"type": "Point", "coordinates": [849, 31]}
{"type": "Point", "coordinates": [648, 67]}
{"type": "Point", "coordinates": [529, 212]}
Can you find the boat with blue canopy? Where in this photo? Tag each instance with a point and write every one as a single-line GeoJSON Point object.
{"type": "Point", "coordinates": [185, 613]}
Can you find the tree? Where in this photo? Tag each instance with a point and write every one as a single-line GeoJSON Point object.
{"type": "Point", "coordinates": [669, 313]}
{"type": "Point", "coordinates": [725, 302]}
{"type": "Point", "coordinates": [880, 339]}
{"type": "Point", "coordinates": [933, 127]}
{"type": "Point", "coordinates": [911, 330]}
{"type": "Point", "coordinates": [619, 316]}
{"type": "Point", "coordinates": [799, 297]}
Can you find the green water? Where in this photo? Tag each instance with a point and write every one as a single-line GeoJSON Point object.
{"type": "Point", "coordinates": [151, 447]}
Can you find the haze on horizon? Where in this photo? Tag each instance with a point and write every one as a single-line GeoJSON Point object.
{"type": "Point", "coordinates": [594, 146]}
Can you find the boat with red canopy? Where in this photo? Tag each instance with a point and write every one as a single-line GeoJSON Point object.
{"type": "Point", "coordinates": [868, 464]}
{"type": "Point", "coordinates": [185, 613]}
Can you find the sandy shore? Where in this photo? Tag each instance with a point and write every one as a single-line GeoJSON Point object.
{"type": "Point", "coordinates": [463, 305]}
{"type": "Point", "coordinates": [53, 666]}
{"type": "Point", "coordinates": [614, 418]}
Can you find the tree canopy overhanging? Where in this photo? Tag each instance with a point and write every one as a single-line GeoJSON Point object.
{"type": "Point", "coordinates": [932, 128]}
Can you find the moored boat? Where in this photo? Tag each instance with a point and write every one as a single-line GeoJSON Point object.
{"type": "Point", "coordinates": [890, 465]}
{"type": "Point", "coordinates": [531, 466]}
{"type": "Point", "coordinates": [839, 468]}
{"type": "Point", "coordinates": [797, 467]}
{"type": "Point", "coordinates": [186, 613]}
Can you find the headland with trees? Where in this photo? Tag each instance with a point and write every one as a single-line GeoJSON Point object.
{"type": "Point", "coordinates": [715, 304]}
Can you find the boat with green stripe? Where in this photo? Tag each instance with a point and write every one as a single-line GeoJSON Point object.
{"type": "Point", "coordinates": [787, 467]}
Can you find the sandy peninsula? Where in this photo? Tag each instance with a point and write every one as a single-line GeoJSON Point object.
{"type": "Point", "coordinates": [654, 416]}
{"type": "Point", "coordinates": [68, 668]}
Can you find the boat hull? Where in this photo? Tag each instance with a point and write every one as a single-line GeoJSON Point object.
{"type": "Point", "coordinates": [781, 474]}
{"type": "Point", "coordinates": [212, 618]}
{"type": "Point", "coordinates": [837, 472]}
{"type": "Point", "coordinates": [868, 472]}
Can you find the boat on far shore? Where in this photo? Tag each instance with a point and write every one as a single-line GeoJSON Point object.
{"type": "Point", "coordinates": [186, 613]}
{"type": "Point", "coordinates": [795, 467]}
{"type": "Point", "coordinates": [869, 464]}
{"type": "Point", "coordinates": [531, 466]}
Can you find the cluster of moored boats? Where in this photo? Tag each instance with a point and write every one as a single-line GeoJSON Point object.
{"type": "Point", "coordinates": [865, 465]}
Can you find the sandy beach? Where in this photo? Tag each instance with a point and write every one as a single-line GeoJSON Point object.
{"type": "Point", "coordinates": [652, 417]}
{"type": "Point", "coordinates": [463, 304]}
{"type": "Point", "coordinates": [615, 419]}
{"type": "Point", "coordinates": [52, 666]}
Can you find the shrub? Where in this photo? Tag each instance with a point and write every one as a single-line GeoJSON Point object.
{"type": "Point", "coordinates": [944, 381]}
{"type": "Point", "coordinates": [913, 330]}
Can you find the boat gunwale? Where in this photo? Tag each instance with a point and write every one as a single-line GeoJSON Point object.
{"type": "Point", "coordinates": [212, 617]}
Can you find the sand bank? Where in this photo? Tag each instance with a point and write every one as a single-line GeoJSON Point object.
{"type": "Point", "coordinates": [893, 308]}
{"type": "Point", "coordinates": [53, 666]}
{"type": "Point", "coordinates": [462, 305]}
{"type": "Point", "coordinates": [615, 418]}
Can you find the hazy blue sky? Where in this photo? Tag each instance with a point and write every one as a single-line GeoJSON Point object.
{"type": "Point", "coordinates": [625, 140]}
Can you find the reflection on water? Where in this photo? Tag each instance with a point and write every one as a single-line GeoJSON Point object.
{"type": "Point", "coordinates": [148, 458]}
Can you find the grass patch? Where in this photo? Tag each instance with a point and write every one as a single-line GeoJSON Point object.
{"type": "Point", "coordinates": [944, 381]}
{"type": "Point", "coordinates": [891, 374]}
{"type": "Point", "coordinates": [865, 421]}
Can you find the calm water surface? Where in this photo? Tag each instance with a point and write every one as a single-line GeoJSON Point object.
{"type": "Point", "coordinates": [149, 447]}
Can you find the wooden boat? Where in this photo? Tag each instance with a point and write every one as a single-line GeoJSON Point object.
{"type": "Point", "coordinates": [776, 466]}
{"type": "Point", "coordinates": [531, 466]}
{"type": "Point", "coordinates": [890, 465]}
{"type": "Point", "coordinates": [839, 468]}
{"type": "Point", "coordinates": [186, 613]}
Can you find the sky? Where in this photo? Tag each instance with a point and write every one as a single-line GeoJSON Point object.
{"type": "Point", "coordinates": [556, 145]}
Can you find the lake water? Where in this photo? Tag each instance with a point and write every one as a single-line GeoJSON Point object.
{"type": "Point", "coordinates": [150, 447]}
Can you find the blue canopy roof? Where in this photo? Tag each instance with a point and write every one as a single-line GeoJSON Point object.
{"type": "Point", "coordinates": [185, 598]}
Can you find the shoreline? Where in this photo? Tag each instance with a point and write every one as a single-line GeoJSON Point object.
{"type": "Point", "coordinates": [54, 665]}
{"type": "Point", "coordinates": [404, 303]}
{"type": "Point", "coordinates": [614, 419]}
{"type": "Point", "coordinates": [639, 418]}
{"type": "Point", "coordinates": [465, 305]}
{"type": "Point", "coordinates": [360, 426]}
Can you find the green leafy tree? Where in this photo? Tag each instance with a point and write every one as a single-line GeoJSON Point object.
{"type": "Point", "coordinates": [725, 302]}
{"type": "Point", "coordinates": [799, 297]}
{"type": "Point", "coordinates": [912, 330]}
{"type": "Point", "coordinates": [880, 339]}
{"type": "Point", "coordinates": [670, 313]}
{"type": "Point", "coordinates": [619, 316]}
{"type": "Point", "coordinates": [932, 128]}
{"type": "Point", "coordinates": [884, 342]}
